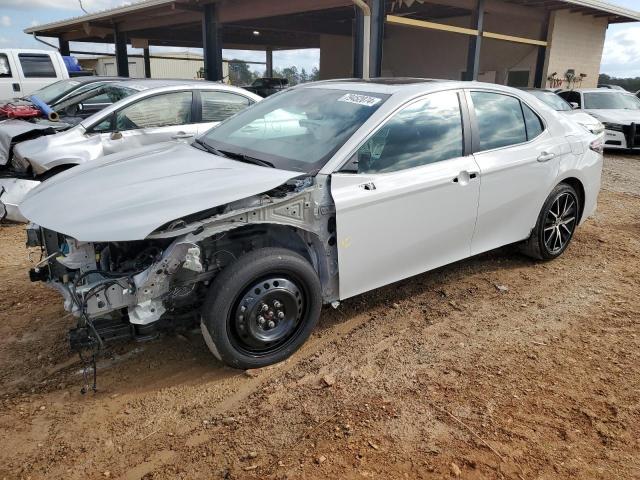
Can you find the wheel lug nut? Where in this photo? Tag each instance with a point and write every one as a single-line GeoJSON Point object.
{"type": "Point", "coordinates": [243, 308]}
{"type": "Point", "coordinates": [264, 307]}
{"type": "Point", "coordinates": [280, 315]}
{"type": "Point", "coordinates": [271, 324]}
{"type": "Point", "coordinates": [261, 320]}
{"type": "Point", "coordinates": [277, 304]}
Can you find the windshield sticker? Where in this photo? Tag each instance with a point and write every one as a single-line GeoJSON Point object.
{"type": "Point", "coordinates": [360, 99]}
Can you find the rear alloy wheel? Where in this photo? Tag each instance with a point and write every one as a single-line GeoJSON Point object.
{"type": "Point", "coordinates": [556, 224]}
{"type": "Point", "coordinates": [560, 223]}
{"type": "Point", "coordinates": [261, 308]}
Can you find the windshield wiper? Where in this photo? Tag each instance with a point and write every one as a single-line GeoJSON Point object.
{"type": "Point", "coordinates": [247, 159]}
{"type": "Point", "coordinates": [209, 148]}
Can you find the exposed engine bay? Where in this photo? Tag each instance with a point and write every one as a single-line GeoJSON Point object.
{"type": "Point", "coordinates": [136, 284]}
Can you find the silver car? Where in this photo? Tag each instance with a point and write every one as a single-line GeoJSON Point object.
{"type": "Point", "coordinates": [314, 195]}
{"type": "Point", "coordinates": [151, 112]}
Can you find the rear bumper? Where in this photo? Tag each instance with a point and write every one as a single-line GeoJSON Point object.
{"type": "Point", "coordinates": [15, 189]}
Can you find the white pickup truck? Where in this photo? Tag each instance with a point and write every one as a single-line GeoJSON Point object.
{"type": "Point", "coordinates": [24, 71]}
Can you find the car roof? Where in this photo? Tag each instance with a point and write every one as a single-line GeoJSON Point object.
{"type": "Point", "coordinates": [93, 79]}
{"type": "Point", "coordinates": [406, 86]}
{"type": "Point", "coordinates": [598, 90]}
{"type": "Point", "coordinates": [142, 84]}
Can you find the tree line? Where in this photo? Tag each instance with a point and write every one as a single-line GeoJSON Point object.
{"type": "Point", "coordinates": [629, 84]}
{"type": "Point", "coordinates": [240, 73]}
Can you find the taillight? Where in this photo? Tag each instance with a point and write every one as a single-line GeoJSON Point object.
{"type": "Point", "coordinates": [597, 146]}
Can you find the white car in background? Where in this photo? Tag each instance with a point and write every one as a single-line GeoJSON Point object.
{"type": "Point", "coordinates": [565, 108]}
{"type": "Point", "coordinates": [364, 184]}
{"type": "Point", "coordinates": [619, 112]}
{"type": "Point", "coordinates": [151, 112]}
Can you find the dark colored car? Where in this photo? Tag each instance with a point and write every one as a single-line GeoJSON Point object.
{"type": "Point", "coordinates": [267, 86]}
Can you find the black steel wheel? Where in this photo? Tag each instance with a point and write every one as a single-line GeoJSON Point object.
{"type": "Point", "coordinates": [556, 224]}
{"type": "Point", "coordinates": [262, 308]}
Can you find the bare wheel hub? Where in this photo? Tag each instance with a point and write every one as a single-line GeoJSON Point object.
{"type": "Point", "coordinates": [268, 313]}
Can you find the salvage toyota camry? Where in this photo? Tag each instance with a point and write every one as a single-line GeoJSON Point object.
{"type": "Point", "coordinates": [317, 194]}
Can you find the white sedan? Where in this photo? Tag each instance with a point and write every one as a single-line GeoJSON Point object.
{"type": "Point", "coordinates": [145, 112]}
{"type": "Point", "coordinates": [314, 195]}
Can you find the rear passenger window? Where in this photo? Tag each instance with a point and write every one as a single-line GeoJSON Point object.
{"type": "Point", "coordinates": [533, 123]}
{"type": "Point", "coordinates": [36, 65]}
{"type": "Point", "coordinates": [427, 131]}
{"type": "Point", "coordinates": [500, 120]}
{"type": "Point", "coordinates": [218, 106]}
{"type": "Point", "coordinates": [5, 69]}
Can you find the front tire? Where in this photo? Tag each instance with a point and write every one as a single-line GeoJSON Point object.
{"type": "Point", "coordinates": [556, 224]}
{"type": "Point", "coordinates": [262, 308]}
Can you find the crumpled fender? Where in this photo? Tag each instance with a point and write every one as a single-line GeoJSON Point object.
{"type": "Point", "coordinates": [17, 131]}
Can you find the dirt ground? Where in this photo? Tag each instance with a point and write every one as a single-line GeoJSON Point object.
{"type": "Point", "coordinates": [495, 367]}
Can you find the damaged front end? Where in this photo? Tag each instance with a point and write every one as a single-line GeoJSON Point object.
{"type": "Point", "coordinates": [135, 284]}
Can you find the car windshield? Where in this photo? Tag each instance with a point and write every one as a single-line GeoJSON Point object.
{"type": "Point", "coordinates": [611, 101]}
{"type": "Point", "coordinates": [296, 130]}
{"type": "Point", "coordinates": [52, 92]}
{"type": "Point", "coordinates": [551, 99]}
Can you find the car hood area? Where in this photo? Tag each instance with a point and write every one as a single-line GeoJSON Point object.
{"type": "Point", "coordinates": [126, 196]}
{"type": "Point", "coordinates": [619, 116]}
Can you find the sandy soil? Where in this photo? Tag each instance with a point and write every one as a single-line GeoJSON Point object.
{"type": "Point", "coordinates": [495, 367]}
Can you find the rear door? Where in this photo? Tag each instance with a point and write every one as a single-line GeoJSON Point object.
{"type": "Point", "coordinates": [216, 106]}
{"type": "Point", "coordinates": [407, 200]}
{"type": "Point", "coordinates": [155, 119]}
{"type": "Point", "coordinates": [518, 158]}
{"type": "Point", "coordinates": [38, 70]}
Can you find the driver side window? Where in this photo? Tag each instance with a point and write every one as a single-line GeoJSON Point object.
{"type": "Point", "coordinates": [158, 111]}
{"type": "Point", "coordinates": [427, 131]}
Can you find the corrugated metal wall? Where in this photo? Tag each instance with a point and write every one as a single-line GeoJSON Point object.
{"type": "Point", "coordinates": [160, 67]}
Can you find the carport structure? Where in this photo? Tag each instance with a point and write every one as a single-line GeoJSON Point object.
{"type": "Point", "coordinates": [519, 42]}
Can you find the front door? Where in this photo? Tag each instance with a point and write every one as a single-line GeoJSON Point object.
{"type": "Point", "coordinates": [407, 200]}
{"type": "Point", "coordinates": [518, 159]}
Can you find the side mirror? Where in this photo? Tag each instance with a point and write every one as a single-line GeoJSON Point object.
{"type": "Point", "coordinates": [116, 135]}
{"type": "Point", "coordinates": [575, 105]}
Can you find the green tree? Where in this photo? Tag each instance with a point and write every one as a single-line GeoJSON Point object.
{"type": "Point", "coordinates": [240, 73]}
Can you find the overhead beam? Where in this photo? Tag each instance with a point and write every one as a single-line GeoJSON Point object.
{"type": "Point", "coordinates": [410, 22]}
{"type": "Point", "coordinates": [239, 10]}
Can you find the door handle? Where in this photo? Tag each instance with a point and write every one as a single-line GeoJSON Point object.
{"type": "Point", "coordinates": [546, 156]}
{"type": "Point", "coordinates": [368, 186]}
{"type": "Point", "coordinates": [16, 87]}
{"type": "Point", "coordinates": [182, 135]}
{"type": "Point", "coordinates": [465, 176]}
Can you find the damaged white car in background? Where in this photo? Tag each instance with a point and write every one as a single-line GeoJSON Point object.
{"type": "Point", "coordinates": [314, 195]}
{"type": "Point", "coordinates": [148, 112]}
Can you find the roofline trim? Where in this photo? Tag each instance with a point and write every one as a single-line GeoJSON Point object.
{"type": "Point", "coordinates": [601, 5]}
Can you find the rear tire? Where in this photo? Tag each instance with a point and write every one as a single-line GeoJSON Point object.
{"type": "Point", "coordinates": [555, 226]}
{"type": "Point", "coordinates": [262, 308]}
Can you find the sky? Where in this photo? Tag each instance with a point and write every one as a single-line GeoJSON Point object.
{"type": "Point", "coordinates": [621, 56]}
